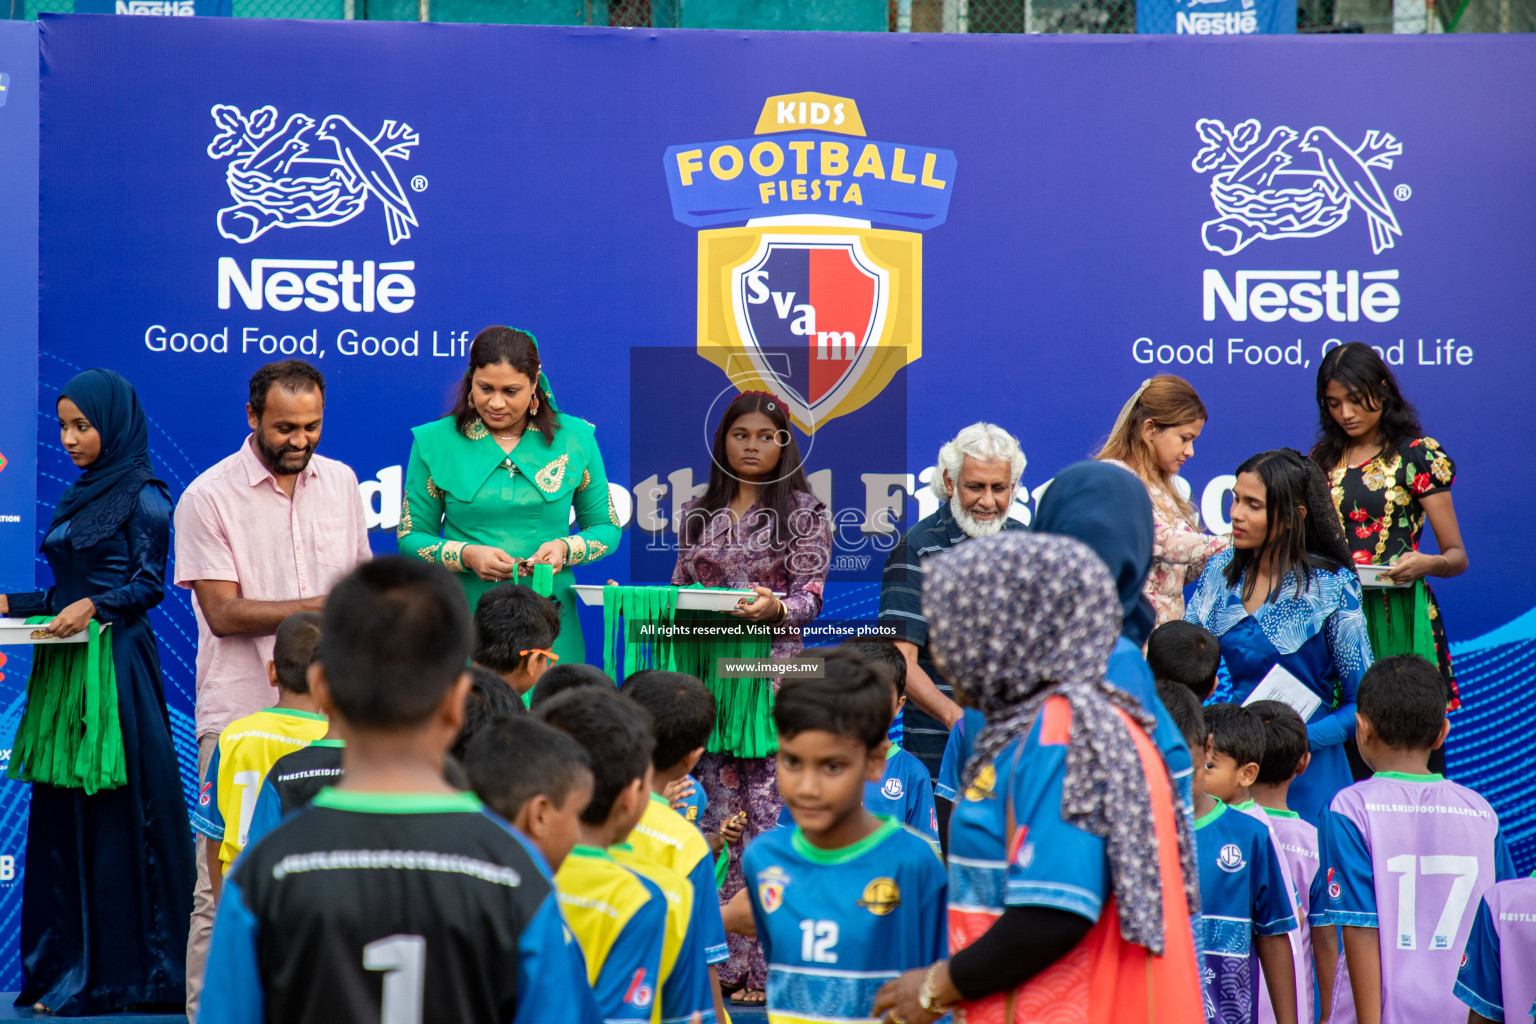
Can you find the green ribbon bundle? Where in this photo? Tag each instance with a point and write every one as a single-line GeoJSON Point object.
{"type": "Point", "coordinates": [70, 734]}
{"type": "Point", "coordinates": [743, 707]}
{"type": "Point", "coordinates": [1397, 620]}
{"type": "Point", "coordinates": [543, 582]}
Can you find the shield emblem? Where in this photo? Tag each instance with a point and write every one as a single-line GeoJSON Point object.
{"type": "Point", "coordinates": [821, 317]}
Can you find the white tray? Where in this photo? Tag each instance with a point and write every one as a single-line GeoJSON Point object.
{"type": "Point", "coordinates": [17, 631]}
{"type": "Point", "coordinates": [705, 599]}
{"type": "Point", "coordinates": [1370, 577]}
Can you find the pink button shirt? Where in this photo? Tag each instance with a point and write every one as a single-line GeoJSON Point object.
{"type": "Point", "coordinates": [235, 523]}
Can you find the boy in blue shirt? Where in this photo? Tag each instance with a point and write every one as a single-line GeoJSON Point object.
{"type": "Point", "coordinates": [905, 790]}
{"type": "Point", "coordinates": [1246, 909]}
{"type": "Point", "coordinates": [845, 901]}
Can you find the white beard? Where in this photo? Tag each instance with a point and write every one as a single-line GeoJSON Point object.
{"type": "Point", "coordinates": [973, 527]}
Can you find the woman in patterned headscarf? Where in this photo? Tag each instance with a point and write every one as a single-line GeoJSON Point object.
{"type": "Point", "coordinates": [1071, 876]}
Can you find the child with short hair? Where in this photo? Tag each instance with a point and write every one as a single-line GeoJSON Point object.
{"type": "Point", "coordinates": [515, 630]}
{"type": "Point", "coordinates": [1286, 756]}
{"type": "Point", "coordinates": [490, 700]}
{"type": "Point", "coordinates": [683, 712]}
{"type": "Point", "coordinates": [632, 924]}
{"type": "Point", "coordinates": [536, 777]}
{"type": "Point", "coordinates": [249, 746]}
{"type": "Point", "coordinates": [1237, 747]}
{"type": "Point", "coordinates": [844, 901]}
{"type": "Point", "coordinates": [1405, 853]}
{"type": "Point", "coordinates": [1185, 653]}
{"type": "Point", "coordinates": [882, 651]}
{"type": "Point", "coordinates": [391, 896]}
{"type": "Point", "coordinates": [905, 790]}
{"type": "Point", "coordinates": [559, 678]}
{"type": "Point", "coordinates": [1497, 979]}
{"type": "Point", "coordinates": [1245, 902]}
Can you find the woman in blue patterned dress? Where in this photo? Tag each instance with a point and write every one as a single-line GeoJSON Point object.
{"type": "Point", "coordinates": [1286, 596]}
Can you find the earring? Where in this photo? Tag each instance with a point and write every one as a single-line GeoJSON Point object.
{"type": "Point", "coordinates": [533, 409]}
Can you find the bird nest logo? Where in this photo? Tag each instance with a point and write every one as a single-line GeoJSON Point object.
{"type": "Point", "coordinates": [308, 173]}
{"type": "Point", "coordinates": [1282, 188]}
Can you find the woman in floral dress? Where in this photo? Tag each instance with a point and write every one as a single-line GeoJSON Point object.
{"type": "Point", "coordinates": [757, 525]}
{"type": "Point", "coordinates": [1388, 479]}
{"type": "Point", "coordinates": [1154, 437]}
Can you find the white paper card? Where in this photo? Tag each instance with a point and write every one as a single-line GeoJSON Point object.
{"type": "Point", "coordinates": [1280, 685]}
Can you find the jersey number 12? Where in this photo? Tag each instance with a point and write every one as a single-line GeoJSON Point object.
{"type": "Point", "coordinates": [816, 941]}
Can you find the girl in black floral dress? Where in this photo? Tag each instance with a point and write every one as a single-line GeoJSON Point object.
{"type": "Point", "coordinates": [1388, 479]}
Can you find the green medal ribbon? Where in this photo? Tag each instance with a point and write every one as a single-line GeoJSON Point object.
{"type": "Point", "coordinates": [70, 734]}
{"type": "Point", "coordinates": [743, 707]}
{"type": "Point", "coordinates": [543, 582]}
{"type": "Point", "coordinates": [1398, 622]}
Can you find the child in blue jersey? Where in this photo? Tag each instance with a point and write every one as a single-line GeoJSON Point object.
{"type": "Point", "coordinates": [1187, 654]}
{"type": "Point", "coordinates": [845, 901]}
{"type": "Point", "coordinates": [392, 897]}
{"type": "Point", "coordinates": [905, 790]}
{"type": "Point", "coordinates": [1245, 907]}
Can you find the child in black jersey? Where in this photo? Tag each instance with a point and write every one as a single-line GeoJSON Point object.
{"type": "Point", "coordinates": [392, 897]}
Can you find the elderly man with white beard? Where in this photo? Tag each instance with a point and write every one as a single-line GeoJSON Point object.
{"type": "Point", "coordinates": [978, 473]}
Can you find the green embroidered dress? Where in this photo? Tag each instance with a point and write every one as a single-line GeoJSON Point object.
{"type": "Point", "coordinates": [462, 489]}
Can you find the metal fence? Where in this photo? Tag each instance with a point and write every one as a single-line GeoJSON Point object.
{"type": "Point", "coordinates": [1055, 16]}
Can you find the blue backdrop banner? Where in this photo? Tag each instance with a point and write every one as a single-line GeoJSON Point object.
{"type": "Point", "coordinates": [18, 428]}
{"type": "Point", "coordinates": [895, 236]}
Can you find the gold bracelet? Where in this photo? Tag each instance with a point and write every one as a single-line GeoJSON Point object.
{"type": "Point", "coordinates": [928, 996]}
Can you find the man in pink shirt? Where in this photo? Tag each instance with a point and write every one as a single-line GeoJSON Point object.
{"type": "Point", "coordinates": [261, 535]}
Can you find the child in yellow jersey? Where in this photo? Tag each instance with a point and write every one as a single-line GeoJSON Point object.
{"type": "Point", "coordinates": [683, 713]}
{"type": "Point", "coordinates": [248, 746]}
{"type": "Point", "coordinates": [617, 915]}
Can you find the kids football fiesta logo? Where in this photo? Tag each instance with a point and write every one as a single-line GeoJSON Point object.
{"type": "Point", "coordinates": [804, 297]}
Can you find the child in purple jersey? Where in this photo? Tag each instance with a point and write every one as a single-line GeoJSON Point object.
{"type": "Point", "coordinates": [1285, 757]}
{"type": "Point", "coordinates": [1497, 979]}
{"type": "Point", "coordinates": [1405, 854]}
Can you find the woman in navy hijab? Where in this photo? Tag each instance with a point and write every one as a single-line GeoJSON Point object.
{"type": "Point", "coordinates": [107, 890]}
{"type": "Point", "coordinates": [1107, 508]}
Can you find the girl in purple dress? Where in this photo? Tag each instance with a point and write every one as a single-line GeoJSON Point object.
{"type": "Point", "coordinates": [756, 526]}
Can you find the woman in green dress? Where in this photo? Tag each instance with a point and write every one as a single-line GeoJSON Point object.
{"type": "Point", "coordinates": [490, 486]}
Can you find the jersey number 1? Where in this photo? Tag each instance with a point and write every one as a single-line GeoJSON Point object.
{"type": "Point", "coordinates": [403, 959]}
{"type": "Point", "coordinates": [1465, 870]}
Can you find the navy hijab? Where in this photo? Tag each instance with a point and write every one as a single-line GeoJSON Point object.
{"type": "Point", "coordinates": [107, 492]}
{"type": "Point", "coordinates": [1107, 508]}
